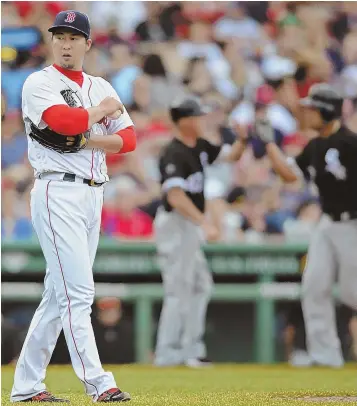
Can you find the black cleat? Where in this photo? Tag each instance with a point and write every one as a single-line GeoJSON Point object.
{"type": "Point", "coordinates": [45, 397]}
{"type": "Point", "coordinates": [114, 395]}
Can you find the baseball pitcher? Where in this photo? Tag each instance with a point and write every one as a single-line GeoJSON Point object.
{"type": "Point", "coordinates": [72, 119]}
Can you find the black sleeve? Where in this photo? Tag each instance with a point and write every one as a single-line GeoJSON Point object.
{"type": "Point", "coordinates": [303, 160]}
{"type": "Point", "coordinates": [211, 150]}
{"type": "Point", "coordinates": [172, 170]}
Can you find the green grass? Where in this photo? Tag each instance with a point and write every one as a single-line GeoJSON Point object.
{"type": "Point", "coordinates": [221, 385]}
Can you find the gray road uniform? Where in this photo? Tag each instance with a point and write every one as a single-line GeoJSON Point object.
{"type": "Point", "coordinates": [186, 278]}
{"type": "Point", "coordinates": [331, 163]}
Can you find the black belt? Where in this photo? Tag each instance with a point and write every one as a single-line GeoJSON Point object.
{"type": "Point", "coordinates": [70, 177]}
{"type": "Point", "coordinates": [344, 216]}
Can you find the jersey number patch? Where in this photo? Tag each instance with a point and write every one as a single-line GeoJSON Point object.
{"type": "Point", "coordinates": [68, 96]}
{"type": "Point", "coordinates": [333, 164]}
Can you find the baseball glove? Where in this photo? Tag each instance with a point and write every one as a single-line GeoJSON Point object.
{"type": "Point", "coordinates": [63, 144]}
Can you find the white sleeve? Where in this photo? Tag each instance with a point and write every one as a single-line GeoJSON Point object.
{"type": "Point", "coordinates": [243, 114]}
{"type": "Point", "coordinates": [221, 28]}
{"type": "Point", "coordinates": [123, 121]}
{"type": "Point", "coordinates": [282, 119]}
{"type": "Point", "coordinates": [224, 153]}
{"type": "Point", "coordinates": [38, 95]}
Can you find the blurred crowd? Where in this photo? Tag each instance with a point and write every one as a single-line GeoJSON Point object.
{"type": "Point", "coordinates": [241, 58]}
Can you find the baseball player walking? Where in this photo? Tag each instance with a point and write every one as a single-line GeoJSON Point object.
{"type": "Point", "coordinates": [181, 228]}
{"type": "Point", "coordinates": [330, 162]}
{"type": "Point", "coordinates": [71, 119]}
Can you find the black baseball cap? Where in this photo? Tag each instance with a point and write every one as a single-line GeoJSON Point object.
{"type": "Point", "coordinates": [187, 107]}
{"type": "Point", "coordinates": [74, 20]}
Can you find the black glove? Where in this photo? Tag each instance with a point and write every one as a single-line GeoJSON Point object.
{"type": "Point", "coordinates": [63, 144]}
{"type": "Point", "coordinates": [264, 130]}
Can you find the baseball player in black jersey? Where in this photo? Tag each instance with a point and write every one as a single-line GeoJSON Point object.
{"type": "Point", "coordinates": [181, 228]}
{"type": "Point", "coordinates": [330, 161]}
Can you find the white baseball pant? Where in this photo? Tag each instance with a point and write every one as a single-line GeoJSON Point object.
{"type": "Point", "coordinates": [66, 217]}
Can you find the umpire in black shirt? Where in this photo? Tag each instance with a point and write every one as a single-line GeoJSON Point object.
{"type": "Point", "coordinates": [181, 228]}
{"type": "Point", "coordinates": [330, 161]}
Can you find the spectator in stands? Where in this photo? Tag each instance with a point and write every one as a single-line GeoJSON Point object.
{"type": "Point", "coordinates": [343, 20]}
{"type": "Point", "coordinates": [124, 71]}
{"type": "Point", "coordinates": [97, 62]}
{"type": "Point", "coordinates": [236, 23]}
{"type": "Point", "coordinates": [141, 94]}
{"type": "Point", "coordinates": [164, 86]}
{"type": "Point", "coordinates": [255, 225]}
{"type": "Point", "coordinates": [155, 28]}
{"type": "Point", "coordinates": [232, 219]}
{"type": "Point", "coordinates": [123, 15]}
{"type": "Point", "coordinates": [244, 71]}
{"type": "Point", "coordinates": [275, 215]}
{"type": "Point", "coordinates": [310, 46]}
{"type": "Point", "coordinates": [264, 97]}
{"type": "Point", "coordinates": [279, 73]}
{"type": "Point", "coordinates": [293, 144]}
{"type": "Point", "coordinates": [198, 78]}
{"type": "Point", "coordinates": [208, 12]}
{"type": "Point", "coordinates": [200, 44]}
{"type": "Point", "coordinates": [245, 216]}
{"type": "Point", "coordinates": [13, 140]}
{"type": "Point", "coordinates": [10, 15]}
{"type": "Point", "coordinates": [20, 58]}
{"type": "Point", "coordinates": [113, 329]}
{"type": "Point", "coordinates": [121, 217]}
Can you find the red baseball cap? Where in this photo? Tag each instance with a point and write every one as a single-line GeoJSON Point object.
{"type": "Point", "coordinates": [264, 95]}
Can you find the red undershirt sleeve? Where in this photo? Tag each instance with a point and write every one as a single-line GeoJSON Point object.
{"type": "Point", "coordinates": [129, 139]}
{"type": "Point", "coordinates": [66, 120]}
{"type": "Point", "coordinates": [74, 120]}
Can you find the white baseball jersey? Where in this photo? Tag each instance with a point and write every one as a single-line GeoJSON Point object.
{"type": "Point", "coordinates": [49, 87]}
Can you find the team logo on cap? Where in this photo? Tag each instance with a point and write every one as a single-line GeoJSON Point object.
{"type": "Point", "coordinates": [71, 16]}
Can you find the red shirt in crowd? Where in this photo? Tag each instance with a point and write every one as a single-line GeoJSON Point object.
{"type": "Point", "coordinates": [135, 224]}
{"type": "Point", "coordinates": [25, 8]}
